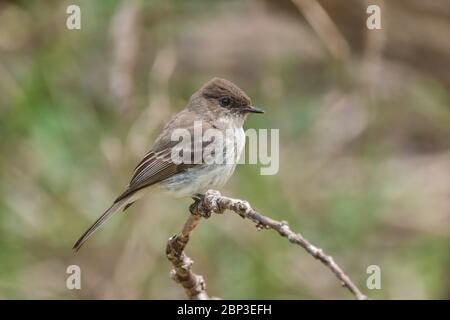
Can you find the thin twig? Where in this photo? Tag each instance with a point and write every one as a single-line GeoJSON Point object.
{"type": "Point", "coordinates": [193, 284]}
{"type": "Point", "coordinates": [125, 33]}
{"type": "Point", "coordinates": [325, 28]}
{"type": "Point", "coordinates": [214, 202]}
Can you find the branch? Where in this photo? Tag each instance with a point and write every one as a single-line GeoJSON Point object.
{"type": "Point", "coordinates": [193, 284]}
{"type": "Point", "coordinates": [214, 202]}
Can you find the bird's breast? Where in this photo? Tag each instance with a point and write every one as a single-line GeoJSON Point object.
{"type": "Point", "coordinates": [215, 171]}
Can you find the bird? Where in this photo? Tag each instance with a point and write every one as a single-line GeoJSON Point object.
{"type": "Point", "coordinates": [219, 106]}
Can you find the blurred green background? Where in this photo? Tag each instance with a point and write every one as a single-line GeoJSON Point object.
{"type": "Point", "coordinates": [364, 119]}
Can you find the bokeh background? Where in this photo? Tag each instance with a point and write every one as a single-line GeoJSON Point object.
{"type": "Point", "coordinates": [364, 119]}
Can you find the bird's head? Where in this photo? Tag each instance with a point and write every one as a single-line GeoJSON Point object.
{"type": "Point", "coordinates": [224, 98]}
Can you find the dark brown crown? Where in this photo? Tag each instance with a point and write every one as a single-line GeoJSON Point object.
{"type": "Point", "coordinates": [218, 88]}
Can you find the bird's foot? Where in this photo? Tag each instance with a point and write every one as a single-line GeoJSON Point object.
{"type": "Point", "coordinates": [198, 197]}
{"type": "Point", "coordinates": [195, 208]}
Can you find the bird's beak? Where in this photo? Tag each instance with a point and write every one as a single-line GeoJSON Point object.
{"type": "Point", "coordinates": [253, 109]}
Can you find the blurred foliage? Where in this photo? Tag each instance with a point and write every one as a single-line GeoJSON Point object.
{"type": "Point", "coordinates": [365, 145]}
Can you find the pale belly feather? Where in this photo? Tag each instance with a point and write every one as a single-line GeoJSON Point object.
{"type": "Point", "coordinates": [207, 176]}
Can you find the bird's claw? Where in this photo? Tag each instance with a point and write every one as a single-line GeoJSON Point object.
{"type": "Point", "coordinates": [194, 208]}
{"type": "Point", "coordinates": [197, 207]}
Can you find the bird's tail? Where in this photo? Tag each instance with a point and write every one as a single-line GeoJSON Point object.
{"type": "Point", "coordinates": [117, 205]}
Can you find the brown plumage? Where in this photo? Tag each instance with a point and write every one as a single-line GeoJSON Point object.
{"type": "Point", "coordinates": [218, 104]}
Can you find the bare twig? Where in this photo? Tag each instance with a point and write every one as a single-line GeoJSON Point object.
{"type": "Point", "coordinates": [125, 32]}
{"type": "Point", "coordinates": [182, 264]}
{"type": "Point", "coordinates": [214, 202]}
{"type": "Point", "coordinates": [325, 28]}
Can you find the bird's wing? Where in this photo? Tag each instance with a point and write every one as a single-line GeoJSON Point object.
{"type": "Point", "coordinates": [158, 164]}
{"type": "Point", "coordinates": [155, 167]}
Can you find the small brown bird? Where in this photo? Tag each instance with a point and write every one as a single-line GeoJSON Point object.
{"type": "Point", "coordinates": [219, 107]}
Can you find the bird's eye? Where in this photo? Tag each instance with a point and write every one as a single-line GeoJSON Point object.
{"type": "Point", "coordinates": [225, 102]}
